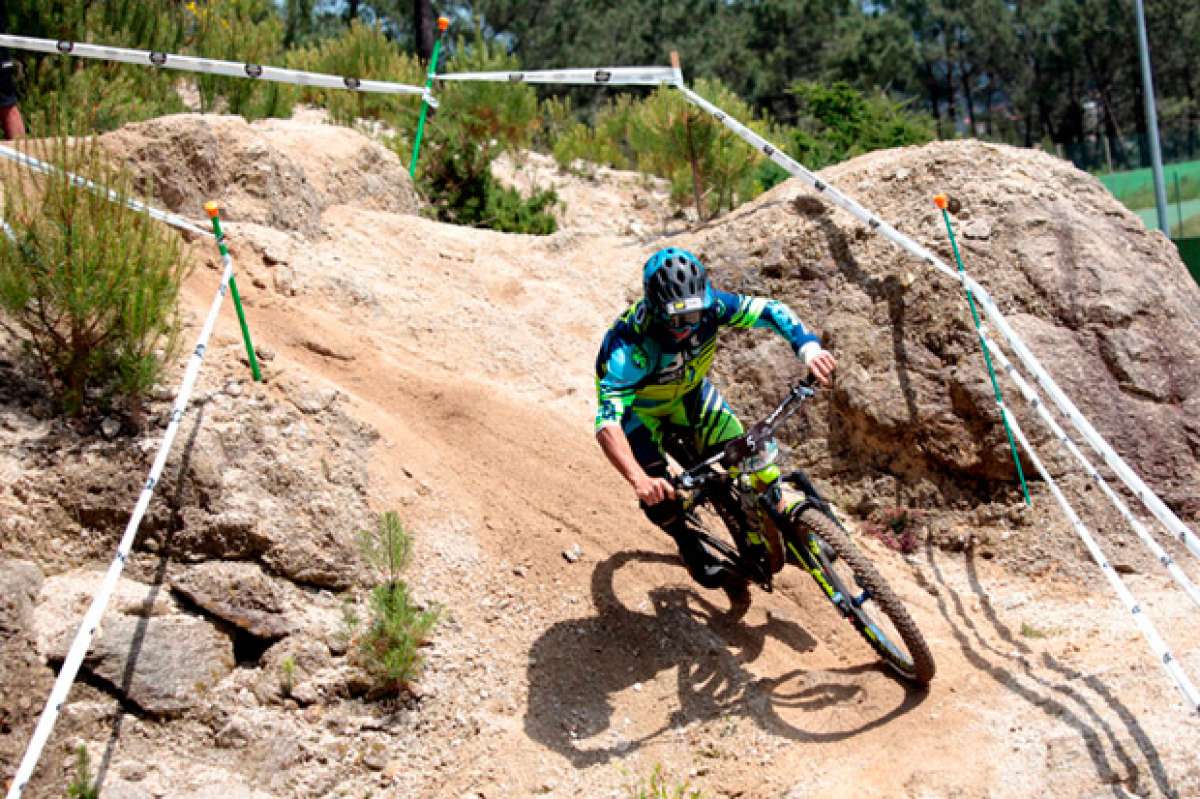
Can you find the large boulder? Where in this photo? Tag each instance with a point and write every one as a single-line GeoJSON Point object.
{"type": "Point", "coordinates": [240, 594]}
{"type": "Point", "coordinates": [23, 678]}
{"type": "Point", "coordinates": [147, 650]}
{"type": "Point", "coordinates": [1107, 306]}
{"type": "Point", "coordinates": [279, 173]}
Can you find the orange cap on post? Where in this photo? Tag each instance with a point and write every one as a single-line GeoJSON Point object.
{"type": "Point", "coordinates": [941, 201]}
{"type": "Point", "coordinates": [443, 23]}
{"type": "Point", "coordinates": [212, 208]}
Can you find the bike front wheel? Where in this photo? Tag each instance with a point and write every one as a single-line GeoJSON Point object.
{"type": "Point", "coordinates": [859, 591]}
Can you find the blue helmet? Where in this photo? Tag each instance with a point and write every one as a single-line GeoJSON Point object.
{"type": "Point", "coordinates": [675, 283]}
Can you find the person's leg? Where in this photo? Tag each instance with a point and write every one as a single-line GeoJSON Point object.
{"type": "Point", "coordinates": [10, 114]}
{"type": "Point", "coordinates": [645, 440]}
{"type": "Point", "coordinates": [11, 122]}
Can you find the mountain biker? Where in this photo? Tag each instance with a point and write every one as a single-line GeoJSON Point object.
{"type": "Point", "coordinates": [652, 379]}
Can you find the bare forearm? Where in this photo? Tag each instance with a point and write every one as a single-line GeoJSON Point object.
{"type": "Point", "coordinates": [616, 448]}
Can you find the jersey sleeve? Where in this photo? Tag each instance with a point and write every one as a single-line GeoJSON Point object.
{"type": "Point", "coordinates": [617, 378]}
{"type": "Point", "coordinates": [741, 310]}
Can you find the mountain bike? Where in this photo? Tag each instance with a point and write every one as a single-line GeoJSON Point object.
{"type": "Point", "coordinates": [805, 533]}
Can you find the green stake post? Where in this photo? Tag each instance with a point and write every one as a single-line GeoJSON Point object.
{"type": "Point", "coordinates": [214, 212]}
{"type": "Point", "coordinates": [443, 24]}
{"type": "Point", "coordinates": [942, 201]}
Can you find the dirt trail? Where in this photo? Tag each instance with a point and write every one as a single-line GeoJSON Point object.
{"type": "Point", "coordinates": [471, 353]}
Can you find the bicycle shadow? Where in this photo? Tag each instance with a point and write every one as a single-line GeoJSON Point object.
{"type": "Point", "coordinates": [1046, 693]}
{"type": "Point", "coordinates": [578, 666]}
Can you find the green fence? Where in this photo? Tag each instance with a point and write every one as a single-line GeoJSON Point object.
{"type": "Point", "coordinates": [1135, 190]}
{"type": "Point", "coordinates": [1125, 184]}
{"type": "Point", "coordinates": [1189, 251]}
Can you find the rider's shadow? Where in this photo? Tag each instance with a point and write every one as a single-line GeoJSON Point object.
{"type": "Point", "coordinates": [577, 666]}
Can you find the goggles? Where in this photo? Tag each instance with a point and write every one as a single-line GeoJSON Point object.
{"type": "Point", "coordinates": [684, 320]}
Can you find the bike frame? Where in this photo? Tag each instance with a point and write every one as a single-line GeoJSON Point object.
{"type": "Point", "coordinates": [700, 478]}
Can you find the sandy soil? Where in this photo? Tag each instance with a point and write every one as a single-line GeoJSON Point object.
{"type": "Point", "coordinates": [471, 353]}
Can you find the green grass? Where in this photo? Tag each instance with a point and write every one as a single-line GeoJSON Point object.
{"type": "Point", "coordinates": [1188, 188]}
{"type": "Point", "coordinates": [659, 786]}
{"type": "Point", "coordinates": [1029, 631]}
{"type": "Point", "coordinates": [1190, 229]}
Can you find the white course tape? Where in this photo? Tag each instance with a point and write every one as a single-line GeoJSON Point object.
{"type": "Point", "coordinates": [91, 620]}
{"type": "Point", "coordinates": [1157, 645]}
{"type": "Point", "coordinates": [1043, 378]}
{"type": "Point", "coordinates": [49, 169]}
{"type": "Point", "coordinates": [1032, 397]}
{"type": "Point", "coordinates": [1156, 506]}
{"type": "Point", "coordinates": [611, 76]}
{"type": "Point", "coordinates": [233, 69]}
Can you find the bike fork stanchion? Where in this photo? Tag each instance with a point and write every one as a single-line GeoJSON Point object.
{"type": "Point", "coordinates": [942, 201]}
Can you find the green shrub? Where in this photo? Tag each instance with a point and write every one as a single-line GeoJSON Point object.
{"type": "Point", "coordinates": [287, 675]}
{"type": "Point", "coordinates": [82, 785]}
{"type": "Point", "coordinates": [604, 142]}
{"type": "Point", "coordinates": [475, 123]}
{"type": "Point", "coordinates": [89, 286]}
{"type": "Point", "coordinates": [701, 157]}
{"type": "Point", "coordinates": [665, 135]}
{"type": "Point", "coordinates": [99, 95]}
{"type": "Point", "coordinates": [362, 51]}
{"type": "Point", "coordinates": [240, 30]}
{"type": "Point", "coordinates": [657, 786]}
{"type": "Point", "coordinates": [388, 647]}
{"type": "Point", "coordinates": [838, 122]}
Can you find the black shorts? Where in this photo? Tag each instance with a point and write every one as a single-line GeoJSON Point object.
{"type": "Point", "coordinates": [8, 79]}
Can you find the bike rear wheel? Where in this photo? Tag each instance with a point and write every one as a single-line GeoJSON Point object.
{"type": "Point", "coordinates": [854, 584]}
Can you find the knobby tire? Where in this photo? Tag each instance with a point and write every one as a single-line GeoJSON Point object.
{"type": "Point", "coordinates": [922, 668]}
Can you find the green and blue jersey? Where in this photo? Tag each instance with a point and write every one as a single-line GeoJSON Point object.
{"type": "Point", "coordinates": [647, 371]}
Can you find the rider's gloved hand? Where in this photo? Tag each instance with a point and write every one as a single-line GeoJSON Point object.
{"type": "Point", "coordinates": [653, 490]}
{"type": "Point", "coordinates": [819, 361]}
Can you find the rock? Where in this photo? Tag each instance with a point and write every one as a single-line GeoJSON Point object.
{"type": "Point", "coordinates": [272, 257]}
{"type": "Point", "coordinates": [284, 281]}
{"type": "Point", "coordinates": [573, 554]}
{"type": "Point", "coordinates": [264, 353]}
{"type": "Point", "coordinates": [375, 755]}
{"type": "Point", "coordinates": [287, 669]}
{"type": "Point", "coordinates": [978, 229]}
{"type": "Point", "coordinates": [278, 173]}
{"type": "Point", "coordinates": [132, 770]}
{"type": "Point", "coordinates": [20, 582]}
{"type": "Point", "coordinates": [164, 665]}
{"type": "Point", "coordinates": [313, 400]}
{"type": "Point", "coordinates": [118, 788]}
{"type": "Point", "coordinates": [1108, 309]}
{"type": "Point", "coordinates": [325, 559]}
{"type": "Point", "coordinates": [110, 427]}
{"type": "Point", "coordinates": [241, 594]}
{"type": "Point", "coordinates": [327, 350]}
